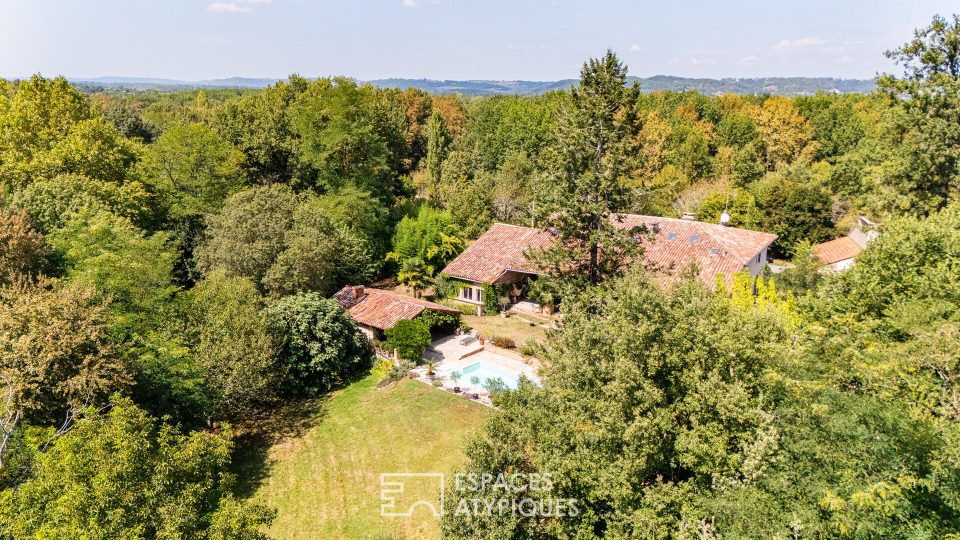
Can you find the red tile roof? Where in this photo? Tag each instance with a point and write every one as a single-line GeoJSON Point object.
{"type": "Point", "coordinates": [837, 250]}
{"type": "Point", "coordinates": [667, 248]}
{"type": "Point", "coordinates": [671, 244]}
{"type": "Point", "coordinates": [383, 309]}
{"type": "Point", "coordinates": [501, 249]}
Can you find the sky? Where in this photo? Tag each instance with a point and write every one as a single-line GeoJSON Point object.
{"type": "Point", "coordinates": [454, 39]}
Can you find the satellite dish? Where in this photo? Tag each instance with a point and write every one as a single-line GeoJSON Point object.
{"type": "Point", "coordinates": [724, 218]}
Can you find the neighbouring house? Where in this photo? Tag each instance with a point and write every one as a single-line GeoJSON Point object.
{"type": "Point", "coordinates": [837, 255]}
{"type": "Point", "coordinates": [498, 257]}
{"type": "Point", "coordinates": [376, 310]}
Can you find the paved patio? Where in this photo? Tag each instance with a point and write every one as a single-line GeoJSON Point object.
{"type": "Point", "coordinates": [449, 348]}
{"type": "Point", "coordinates": [450, 356]}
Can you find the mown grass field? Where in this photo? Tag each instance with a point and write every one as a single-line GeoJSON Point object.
{"type": "Point", "coordinates": [319, 463]}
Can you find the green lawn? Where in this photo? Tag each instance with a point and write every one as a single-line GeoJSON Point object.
{"type": "Point", "coordinates": [320, 468]}
{"type": "Point", "coordinates": [515, 328]}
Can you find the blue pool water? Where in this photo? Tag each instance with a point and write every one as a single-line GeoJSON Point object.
{"type": "Point", "coordinates": [486, 372]}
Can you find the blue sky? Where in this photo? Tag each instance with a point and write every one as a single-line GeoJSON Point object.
{"type": "Point", "coordinates": [453, 39]}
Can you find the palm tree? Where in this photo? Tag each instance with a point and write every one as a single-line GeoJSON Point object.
{"type": "Point", "coordinates": [415, 274]}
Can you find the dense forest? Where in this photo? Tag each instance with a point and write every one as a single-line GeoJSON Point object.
{"type": "Point", "coordinates": [167, 259]}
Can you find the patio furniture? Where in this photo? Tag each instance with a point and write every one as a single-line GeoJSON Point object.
{"type": "Point", "coordinates": [470, 337]}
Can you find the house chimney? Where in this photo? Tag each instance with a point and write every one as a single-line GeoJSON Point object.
{"type": "Point", "coordinates": [689, 216]}
{"type": "Point", "coordinates": [357, 292]}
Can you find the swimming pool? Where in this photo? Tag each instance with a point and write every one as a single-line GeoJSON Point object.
{"type": "Point", "coordinates": [485, 371]}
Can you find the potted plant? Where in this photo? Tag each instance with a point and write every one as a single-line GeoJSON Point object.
{"type": "Point", "coordinates": [455, 377]}
{"type": "Point", "coordinates": [504, 304]}
{"type": "Point", "coordinates": [430, 364]}
{"type": "Point", "coordinates": [544, 292]}
{"type": "Point", "coordinates": [475, 381]}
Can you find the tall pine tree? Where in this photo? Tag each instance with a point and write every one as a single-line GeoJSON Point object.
{"type": "Point", "coordinates": [587, 182]}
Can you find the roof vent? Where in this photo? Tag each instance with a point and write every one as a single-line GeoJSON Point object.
{"type": "Point", "coordinates": [689, 216]}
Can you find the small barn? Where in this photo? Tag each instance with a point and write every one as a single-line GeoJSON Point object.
{"type": "Point", "coordinates": [376, 310]}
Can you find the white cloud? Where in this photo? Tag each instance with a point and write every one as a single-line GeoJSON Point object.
{"type": "Point", "coordinates": [237, 6]}
{"type": "Point", "coordinates": [747, 60]}
{"type": "Point", "coordinates": [228, 7]}
{"type": "Point", "coordinates": [636, 47]}
{"type": "Point", "coordinates": [418, 3]}
{"type": "Point", "coordinates": [808, 41]}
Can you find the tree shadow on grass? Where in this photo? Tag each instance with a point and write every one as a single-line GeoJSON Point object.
{"type": "Point", "coordinates": [254, 439]}
{"type": "Point", "coordinates": [286, 424]}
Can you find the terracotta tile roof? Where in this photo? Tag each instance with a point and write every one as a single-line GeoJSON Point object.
{"type": "Point", "coordinates": [671, 244]}
{"type": "Point", "coordinates": [667, 248]}
{"type": "Point", "coordinates": [382, 309]}
{"type": "Point", "coordinates": [502, 248]}
{"type": "Point", "coordinates": [837, 250]}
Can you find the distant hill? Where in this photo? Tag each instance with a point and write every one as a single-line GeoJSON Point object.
{"type": "Point", "coordinates": [789, 86]}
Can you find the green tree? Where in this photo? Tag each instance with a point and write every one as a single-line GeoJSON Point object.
{"type": "Point", "coordinates": [338, 138]}
{"type": "Point", "coordinates": [648, 400]}
{"type": "Point", "coordinates": [247, 235]}
{"type": "Point", "coordinates": [122, 474]}
{"type": "Point", "coordinates": [55, 350]}
{"type": "Point", "coordinates": [361, 213]}
{"type": "Point", "coordinates": [320, 345]}
{"type": "Point", "coordinates": [37, 114]}
{"type": "Point", "coordinates": [804, 275]}
{"type": "Point", "coordinates": [132, 268]}
{"type": "Point", "coordinates": [409, 338]}
{"type": "Point", "coordinates": [286, 243]}
{"type": "Point", "coordinates": [414, 273]}
{"type": "Point", "coordinates": [588, 185]}
{"type": "Point", "coordinates": [318, 255]}
{"type": "Point", "coordinates": [431, 236]}
{"type": "Point", "coordinates": [437, 142]}
{"type": "Point", "coordinates": [51, 203]}
{"type": "Point", "coordinates": [927, 103]}
{"type": "Point", "coordinates": [740, 205]}
{"type": "Point", "coordinates": [260, 125]}
{"type": "Point", "coordinates": [796, 206]}
{"type": "Point", "coordinates": [232, 343]}
{"type": "Point", "coordinates": [193, 169]}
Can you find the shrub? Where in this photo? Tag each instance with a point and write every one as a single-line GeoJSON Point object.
{"type": "Point", "coordinates": [505, 342]}
{"type": "Point", "coordinates": [410, 338]}
{"type": "Point", "coordinates": [444, 287]}
{"type": "Point", "coordinates": [438, 384]}
{"type": "Point", "coordinates": [320, 345]}
{"type": "Point", "coordinates": [529, 348]}
{"type": "Point", "coordinates": [434, 319]}
{"type": "Point", "coordinates": [465, 308]}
